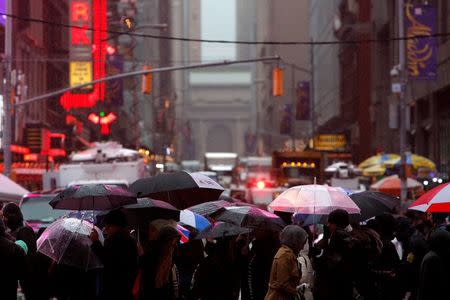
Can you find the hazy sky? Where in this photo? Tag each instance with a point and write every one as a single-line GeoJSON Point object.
{"type": "Point", "coordinates": [218, 21]}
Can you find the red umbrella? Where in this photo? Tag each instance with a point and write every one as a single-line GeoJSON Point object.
{"type": "Point", "coordinates": [435, 200]}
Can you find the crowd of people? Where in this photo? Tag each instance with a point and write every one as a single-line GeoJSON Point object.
{"type": "Point", "coordinates": [403, 257]}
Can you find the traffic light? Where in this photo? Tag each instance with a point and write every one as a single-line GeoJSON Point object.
{"type": "Point", "coordinates": [277, 82]}
{"type": "Point", "coordinates": [147, 81]}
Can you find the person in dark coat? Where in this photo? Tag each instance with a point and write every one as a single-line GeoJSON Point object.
{"type": "Point", "coordinates": [159, 274]}
{"type": "Point", "coordinates": [434, 271]}
{"type": "Point", "coordinates": [213, 279]}
{"type": "Point", "coordinates": [118, 255]}
{"type": "Point", "coordinates": [12, 262]}
{"type": "Point", "coordinates": [334, 277]}
{"type": "Point", "coordinates": [35, 281]}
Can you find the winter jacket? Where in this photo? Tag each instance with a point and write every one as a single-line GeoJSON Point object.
{"type": "Point", "coordinates": [12, 262]}
{"type": "Point", "coordinates": [285, 275]}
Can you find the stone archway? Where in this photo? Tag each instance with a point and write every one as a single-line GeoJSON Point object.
{"type": "Point", "coordinates": [219, 139]}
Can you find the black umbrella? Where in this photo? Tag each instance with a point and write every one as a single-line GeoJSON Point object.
{"type": "Point", "coordinates": [220, 230]}
{"type": "Point", "coordinates": [147, 210]}
{"type": "Point", "coordinates": [92, 197]}
{"type": "Point", "coordinates": [248, 216]}
{"type": "Point", "coordinates": [374, 203]}
{"type": "Point", "coordinates": [181, 189]}
{"type": "Point", "coordinates": [213, 207]}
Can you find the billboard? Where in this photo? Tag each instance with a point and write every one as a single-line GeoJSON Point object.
{"type": "Point", "coordinates": [421, 50]}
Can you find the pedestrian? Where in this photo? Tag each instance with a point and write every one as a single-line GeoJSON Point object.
{"type": "Point", "coordinates": [334, 267]}
{"type": "Point", "coordinates": [159, 279]}
{"type": "Point", "coordinates": [263, 248]}
{"type": "Point", "coordinates": [213, 276]}
{"type": "Point", "coordinates": [434, 271]}
{"type": "Point", "coordinates": [285, 274]}
{"type": "Point", "coordinates": [12, 262]}
{"type": "Point", "coordinates": [35, 281]}
{"type": "Point", "coordinates": [386, 270]}
{"type": "Point", "coordinates": [118, 255]}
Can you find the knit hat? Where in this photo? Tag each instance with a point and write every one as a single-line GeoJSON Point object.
{"type": "Point", "coordinates": [294, 237]}
{"type": "Point", "coordinates": [339, 217]}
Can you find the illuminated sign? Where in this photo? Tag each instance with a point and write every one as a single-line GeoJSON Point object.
{"type": "Point", "coordinates": [104, 121]}
{"type": "Point", "coordinates": [80, 72]}
{"type": "Point", "coordinates": [330, 142]}
{"type": "Point", "coordinates": [87, 53]}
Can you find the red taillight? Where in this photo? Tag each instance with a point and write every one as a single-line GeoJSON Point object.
{"type": "Point", "coordinates": [260, 185]}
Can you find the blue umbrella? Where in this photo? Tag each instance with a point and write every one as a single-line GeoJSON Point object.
{"type": "Point", "coordinates": [194, 220]}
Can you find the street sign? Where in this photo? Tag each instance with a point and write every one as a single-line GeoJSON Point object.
{"type": "Point", "coordinates": [80, 72]}
{"type": "Point", "coordinates": [396, 88]}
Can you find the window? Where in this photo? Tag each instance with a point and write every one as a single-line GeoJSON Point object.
{"type": "Point", "coordinates": [218, 22]}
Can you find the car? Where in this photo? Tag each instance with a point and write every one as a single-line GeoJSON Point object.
{"type": "Point", "coordinates": [37, 213]}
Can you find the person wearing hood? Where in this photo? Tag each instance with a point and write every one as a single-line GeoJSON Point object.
{"type": "Point", "coordinates": [285, 274]}
{"type": "Point", "coordinates": [12, 260]}
{"type": "Point", "coordinates": [434, 271]}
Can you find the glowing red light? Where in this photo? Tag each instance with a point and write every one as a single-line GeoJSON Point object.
{"type": "Point", "coordinates": [110, 49]}
{"type": "Point", "coordinates": [94, 118]}
{"type": "Point", "coordinates": [80, 37]}
{"type": "Point", "coordinates": [260, 185]}
{"type": "Point", "coordinates": [80, 11]}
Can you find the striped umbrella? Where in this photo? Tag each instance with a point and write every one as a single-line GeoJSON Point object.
{"type": "Point", "coordinates": [194, 220]}
{"type": "Point", "coordinates": [435, 200]}
{"type": "Point", "coordinates": [184, 234]}
{"type": "Point", "coordinates": [391, 185]}
{"type": "Point", "coordinates": [377, 160]}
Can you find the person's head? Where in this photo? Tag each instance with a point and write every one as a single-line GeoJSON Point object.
{"type": "Point", "coordinates": [439, 218]}
{"type": "Point", "coordinates": [404, 229]}
{"type": "Point", "coordinates": [294, 237]}
{"type": "Point", "coordinates": [12, 215]}
{"type": "Point", "coordinates": [338, 219]}
{"type": "Point", "coordinates": [155, 227]}
{"type": "Point", "coordinates": [114, 222]}
{"type": "Point", "coordinates": [168, 237]}
{"type": "Point", "coordinates": [440, 243]}
{"type": "Point", "coordinates": [386, 225]}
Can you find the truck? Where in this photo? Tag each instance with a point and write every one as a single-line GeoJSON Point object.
{"type": "Point", "coordinates": [223, 163]}
{"type": "Point", "coordinates": [292, 168]}
{"type": "Point", "coordinates": [107, 163]}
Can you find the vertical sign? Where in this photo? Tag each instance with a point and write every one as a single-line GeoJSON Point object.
{"type": "Point", "coordinates": [286, 120]}
{"type": "Point", "coordinates": [87, 52]}
{"type": "Point", "coordinates": [303, 105]}
{"type": "Point", "coordinates": [80, 50]}
{"type": "Point", "coordinates": [421, 47]}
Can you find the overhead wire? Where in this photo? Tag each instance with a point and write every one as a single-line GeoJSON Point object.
{"type": "Point", "coordinates": [219, 41]}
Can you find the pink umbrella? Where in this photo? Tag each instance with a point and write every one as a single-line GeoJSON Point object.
{"type": "Point", "coordinates": [435, 200]}
{"type": "Point", "coordinates": [313, 200]}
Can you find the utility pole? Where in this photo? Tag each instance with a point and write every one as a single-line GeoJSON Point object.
{"type": "Point", "coordinates": [402, 100]}
{"type": "Point", "coordinates": [7, 134]}
{"type": "Point", "coordinates": [293, 109]}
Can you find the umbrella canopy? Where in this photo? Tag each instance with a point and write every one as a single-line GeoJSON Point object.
{"type": "Point", "coordinates": [146, 210]}
{"type": "Point", "coordinates": [92, 197]}
{"type": "Point", "coordinates": [182, 189]}
{"type": "Point", "coordinates": [67, 241]}
{"type": "Point", "coordinates": [10, 191]}
{"type": "Point", "coordinates": [374, 171]}
{"type": "Point", "coordinates": [194, 220]}
{"type": "Point", "coordinates": [391, 185]}
{"type": "Point", "coordinates": [313, 199]}
{"type": "Point", "coordinates": [435, 200]}
{"type": "Point", "coordinates": [373, 204]}
{"type": "Point", "coordinates": [213, 207]}
{"type": "Point", "coordinates": [252, 217]}
{"type": "Point", "coordinates": [414, 160]}
{"type": "Point", "coordinates": [220, 230]}
{"type": "Point", "coordinates": [377, 160]}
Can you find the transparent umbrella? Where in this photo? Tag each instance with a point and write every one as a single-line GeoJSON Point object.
{"type": "Point", "coordinates": [66, 241]}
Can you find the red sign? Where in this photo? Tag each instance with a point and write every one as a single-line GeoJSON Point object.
{"type": "Point", "coordinates": [104, 121]}
{"type": "Point", "coordinates": [87, 46]}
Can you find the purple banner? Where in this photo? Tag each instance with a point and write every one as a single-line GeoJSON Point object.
{"type": "Point", "coordinates": [421, 52]}
{"type": "Point", "coordinates": [286, 119]}
{"type": "Point", "coordinates": [302, 106]}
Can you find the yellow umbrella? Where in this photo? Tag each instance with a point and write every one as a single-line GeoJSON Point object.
{"type": "Point", "coordinates": [376, 170]}
{"type": "Point", "coordinates": [377, 160]}
{"type": "Point", "coordinates": [414, 160]}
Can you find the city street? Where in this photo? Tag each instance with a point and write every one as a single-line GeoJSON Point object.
{"type": "Point", "coordinates": [224, 150]}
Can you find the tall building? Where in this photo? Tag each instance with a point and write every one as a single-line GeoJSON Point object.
{"type": "Point", "coordinates": [231, 108]}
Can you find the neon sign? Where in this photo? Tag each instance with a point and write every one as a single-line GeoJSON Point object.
{"type": "Point", "coordinates": [104, 120]}
{"type": "Point", "coordinates": [87, 53]}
